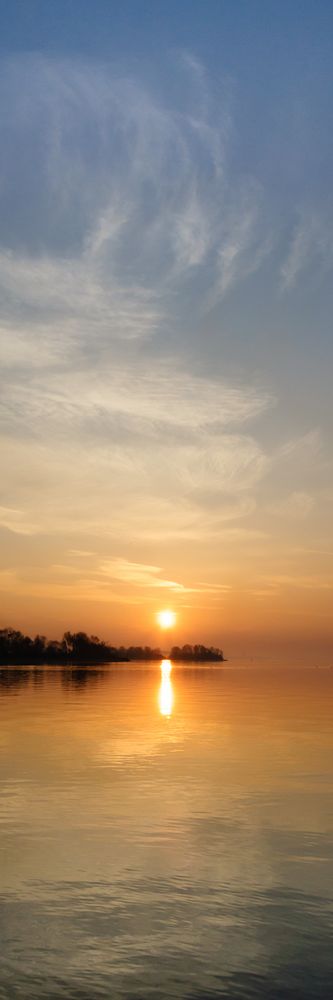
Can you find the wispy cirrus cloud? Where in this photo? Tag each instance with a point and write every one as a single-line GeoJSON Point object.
{"type": "Point", "coordinates": [67, 300]}
{"type": "Point", "coordinates": [118, 580]}
{"type": "Point", "coordinates": [311, 247]}
{"type": "Point", "coordinates": [163, 396]}
{"type": "Point", "coordinates": [127, 198]}
{"type": "Point", "coordinates": [17, 521]}
{"type": "Point", "coordinates": [140, 575]}
{"type": "Point", "coordinates": [311, 582]}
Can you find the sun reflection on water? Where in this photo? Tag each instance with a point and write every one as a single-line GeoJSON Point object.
{"type": "Point", "coordinates": [165, 694]}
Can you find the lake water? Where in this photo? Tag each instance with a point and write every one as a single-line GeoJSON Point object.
{"type": "Point", "coordinates": [166, 834]}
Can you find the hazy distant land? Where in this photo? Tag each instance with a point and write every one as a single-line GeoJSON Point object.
{"type": "Point", "coordinates": [78, 647]}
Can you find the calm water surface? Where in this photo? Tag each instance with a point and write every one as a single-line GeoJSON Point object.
{"type": "Point", "coordinates": [166, 835]}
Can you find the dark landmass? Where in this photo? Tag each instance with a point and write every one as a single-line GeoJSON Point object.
{"type": "Point", "coordinates": [196, 654]}
{"type": "Point", "coordinates": [75, 647]}
{"type": "Point", "coordinates": [78, 647]}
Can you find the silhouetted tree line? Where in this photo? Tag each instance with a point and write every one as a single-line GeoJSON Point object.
{"type": "Point", "coordinates": [78, 647]}
{"type": "Point", "coordinates": [75, 647]}
{"type": "Point", "coordinates": [196, 654]}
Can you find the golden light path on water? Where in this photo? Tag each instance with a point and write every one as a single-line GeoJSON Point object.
{"type": "Point", "coordinates": [165, 694]}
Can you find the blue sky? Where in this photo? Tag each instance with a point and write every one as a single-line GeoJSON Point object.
{"type": "Point", "coordinates": [166, 255]}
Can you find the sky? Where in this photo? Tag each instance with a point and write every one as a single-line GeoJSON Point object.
{"type": "Point", "coordinates": [166, 258]}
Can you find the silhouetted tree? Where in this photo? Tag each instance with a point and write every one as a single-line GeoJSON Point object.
{"type": "Point", "coordinates": [196, 654]}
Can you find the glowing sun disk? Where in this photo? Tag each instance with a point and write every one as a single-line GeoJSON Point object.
{"type": "Point", "coordinates": [166, 619]}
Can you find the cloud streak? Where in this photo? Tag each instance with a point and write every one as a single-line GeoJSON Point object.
{"type": "Point", "coordinates": [311, 248]}
{"type": "Point", "coordinates": [139, 575]}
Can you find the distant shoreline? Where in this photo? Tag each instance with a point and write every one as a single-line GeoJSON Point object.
{"type": "Point", "coordinates": [79, 649]}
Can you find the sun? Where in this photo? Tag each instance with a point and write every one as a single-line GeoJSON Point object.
{"type": "Point", "coordinates": [166, 619]}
